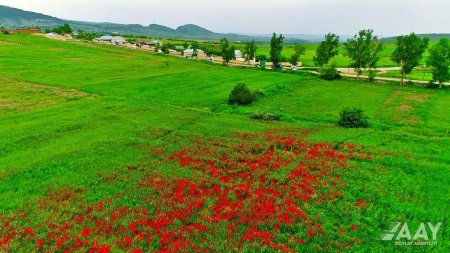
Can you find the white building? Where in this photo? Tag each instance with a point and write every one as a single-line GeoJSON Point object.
{"type": "Point", "coordinates": [112, 39]}
{"type": "Point", "coordinates": [238, 54]}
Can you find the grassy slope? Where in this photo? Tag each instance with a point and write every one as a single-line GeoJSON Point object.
{"type": "Point", "coordinates": [57, 137]}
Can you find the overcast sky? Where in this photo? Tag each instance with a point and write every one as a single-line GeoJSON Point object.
{"type": "Point", "coordinates": [387, 17]}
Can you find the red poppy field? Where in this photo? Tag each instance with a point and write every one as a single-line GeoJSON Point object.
{"type": "Point", "coordinates": [107, 149]}
{"type": "Point", "coordinates": [261, 192]}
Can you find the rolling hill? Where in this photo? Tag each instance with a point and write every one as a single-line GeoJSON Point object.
{"type": "Point", "coordinates": [431, 36]}
{"type": "Point", "coordinates": [14, 18]}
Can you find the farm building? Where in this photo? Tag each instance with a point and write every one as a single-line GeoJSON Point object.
{"type": "Point", "coordinates": [111, 39]}
{"type": "Point", "coordinates": [238, 54]}
{"type": "Point", "coordinates": [178, 48]}
{"type": "Point", "coordinates": [141, 42]}
{"type": "Point", "coordinates": [154, 43]}
{"type": "Point", "coordinates": [56, 36]}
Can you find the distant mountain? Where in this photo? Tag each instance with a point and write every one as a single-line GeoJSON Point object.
{"type": "Point", "coordinates": [12, 17]}
{"type": "Point", "coordinates": [431, 36]}
{"type": "Point", "coordinates": [15, 18]}
{"type": "Point", "coordinates": [160, 28]}
{"type": "Point", "coordinates": [194, 30]}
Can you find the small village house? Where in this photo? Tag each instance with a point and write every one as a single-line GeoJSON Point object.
{"type": "Point", "coordinates": [154, 43]}
{"type": "Point", "coordinates": [178, 48]}
{"type": "Point", "coordinates": [115, 40]}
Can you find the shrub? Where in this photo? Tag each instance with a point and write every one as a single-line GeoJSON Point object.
{"type": "Point", "coordinates": [266, 116]}
{"type": "Point", "coordinates": [329, 72]}
{"type": "Point", "coordinates": [372, 75]}
{"type": "Point", "coordinates": [409, 83]}
{"type": "Point", "coordinates": [241, 95]}
{"type": "Point", "coordinates": [353, 118]}
{"type": "Point", "coordinates": [432, 85]}
{"type": "Point", "coordinates": [260, 58]}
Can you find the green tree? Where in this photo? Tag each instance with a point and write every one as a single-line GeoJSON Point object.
{"type": "Point", "coordinates": [294, 59]}
{"type": "Point", "coordinates": [276, 48]}
{"type": "Point", "coordinates": [241, 95]}
{"type": "Point", "coordinates": [326, 50]}
{"type": "Point", "coordinates": [165, 48]}
{"type": "Point", "coordinates": [186, 45]}
{"type": "Point", "coordinates": [408, 53]}
{"type": "Point", "coordinates": [250, 51]}
{"type": "Point", "coordinates": [299, 49]}
{"type": "Point", "coordinates": [65, 29]}
{"type": "Point", "coordinates": [194, 47]}
{"type": "Point", "coordinates": [227, 51]}
{"type": "Point", "coordinates": [363, 50]}
{"type": "Point", "coordinates": [439, 61]}
{"type": "Point", "coordinates": [157, 47]}
{"type": "Point", "coordinates": [224, 45]}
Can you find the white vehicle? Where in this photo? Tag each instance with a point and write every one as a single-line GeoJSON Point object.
{"type": "Point", "coordinates": [294, 68]}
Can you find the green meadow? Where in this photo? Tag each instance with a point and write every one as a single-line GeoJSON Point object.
{"type": "Point", "coordinates": [72, 112]}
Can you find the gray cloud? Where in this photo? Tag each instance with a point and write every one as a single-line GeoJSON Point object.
{"type": "Point", "coordinates": [387, 17]}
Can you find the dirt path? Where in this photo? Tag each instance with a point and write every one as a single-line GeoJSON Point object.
{"type": "Point", "coordinates": [380, 70]}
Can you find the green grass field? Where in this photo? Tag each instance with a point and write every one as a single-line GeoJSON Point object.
{"type": "Point", "coordinates": [307, 58]}
{"type": "Point", "coordinates": [101, 120]}
{"type": "Point", "coordinates": [417, 74]}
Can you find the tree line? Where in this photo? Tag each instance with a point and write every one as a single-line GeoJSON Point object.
{"type": "Point", "coordinates": [363, 50]}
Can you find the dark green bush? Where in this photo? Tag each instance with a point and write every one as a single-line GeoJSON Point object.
{"type": "Point", "coordinates": [432, 85]}
{"type": "Point", "coordinates": [372, 75]}
{"type": "Point", "coordinates": [241, 95]}
{"type": "Point", "coordinates": [260, 58]}
{"type": "Point", "coordinates": [329, 72]}
{"type": "Point", "coordinates": [353, 118]}
{"type": "Point", "coordinates": [266, 116]}
{"type": "Point", "coordinates": [409, 83]}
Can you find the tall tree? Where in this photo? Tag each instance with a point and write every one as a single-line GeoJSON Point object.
{"type": "Point", "coordinates": [157, 47]}
{"type": "Point", "coordinates": [194, 47]}
{"type": "Point", "coordinates": [326, 50]}
{"type": "Point", "coordinates": [250, 51]}
{"type": "Point", "coordinates": [408, 53]}
{"type": "Point", "coordinates": [363, 50]}
{"type": "Point", "coordinates": [439, 61]}
{"type": "Point", "coordinates": [276, 47]}
{"type": "Point", "coordinates": [228, 51]}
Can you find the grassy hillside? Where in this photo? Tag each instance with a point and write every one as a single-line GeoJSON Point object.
{"type": "Point", "coordinates": [105, 148]}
